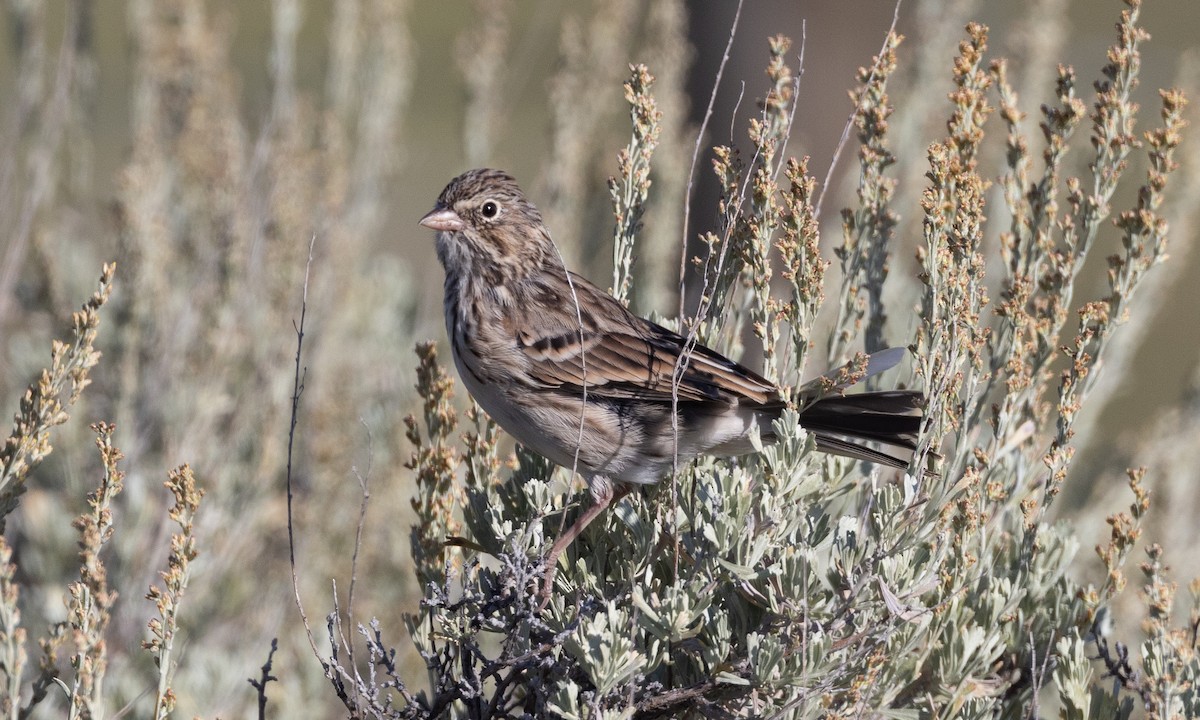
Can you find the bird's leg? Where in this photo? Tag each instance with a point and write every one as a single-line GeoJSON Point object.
{"type": "Point", "coordinates": [604, 494]}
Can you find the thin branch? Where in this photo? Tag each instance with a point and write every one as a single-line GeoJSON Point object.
{"type": "Point", "coordinates": [783, 156]}
{"type": "Point", "coordinates": [297, 391]}
{"type": "Point", "coordinates": [261, 683]}
{"type": "Point", "coordinates": [687, 198]}
{"type": "Point", "coordinates": [1119, 668]}
{"type": "Point", "coordinates": [837, 153]}
{"type": "Point", "coordinates": [364, 484]}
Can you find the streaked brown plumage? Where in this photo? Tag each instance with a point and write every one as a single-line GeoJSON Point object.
{"type": "Point", "coordinates": [537, 346]}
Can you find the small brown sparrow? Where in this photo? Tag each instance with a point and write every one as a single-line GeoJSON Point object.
{"type": "Point", "coordinates": [569, 372]}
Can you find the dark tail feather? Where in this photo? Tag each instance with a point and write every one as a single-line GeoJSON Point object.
{"type": "Point", "coordinates": [842, 423]}
{"type": "Point", "coordinates": [845, 448]}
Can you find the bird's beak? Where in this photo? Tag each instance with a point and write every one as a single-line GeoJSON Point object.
{"type": "Point", "coordinates": [442, 218]}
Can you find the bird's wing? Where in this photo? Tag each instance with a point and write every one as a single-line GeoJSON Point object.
{"type": "Point", "coordinates": [619, 355]}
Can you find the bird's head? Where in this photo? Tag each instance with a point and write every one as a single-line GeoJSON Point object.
{"type": "Point", "coordinates": [486, 226]}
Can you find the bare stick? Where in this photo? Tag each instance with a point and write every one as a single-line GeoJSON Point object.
{"type": "Point", "coordinates": [364, 484]}
{"type": "Point", "coordinates": [261, 683]}
{"type": "Point", "coordinates": [550, 570]}
{"type": "Point", "coordinates": [796, 94]}
{"type": "Point", "coordinates": [687, 199]}
{"type": "Point", "coordinates": [297, 390]}
{"type": "Point", "coordinates": [837, 153]}
{"type": "Point", "coordinates": [733, 115]}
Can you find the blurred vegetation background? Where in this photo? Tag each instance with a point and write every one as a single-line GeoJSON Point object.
{"type": "Point", "coordinates": [204, 145]}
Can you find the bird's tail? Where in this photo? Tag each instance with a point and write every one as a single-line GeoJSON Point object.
{"type": "Point", "coordinates": [844, 424]}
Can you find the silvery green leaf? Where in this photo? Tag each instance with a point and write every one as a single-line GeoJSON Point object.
{"type": "Point", "coordinates": [730, 679]}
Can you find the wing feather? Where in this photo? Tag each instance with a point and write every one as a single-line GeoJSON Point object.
{"type": "Point", "coordinates": [628, 357]}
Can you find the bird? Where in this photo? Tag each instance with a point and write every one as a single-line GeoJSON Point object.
{"type": "Point", "coordinates": [572, 374]}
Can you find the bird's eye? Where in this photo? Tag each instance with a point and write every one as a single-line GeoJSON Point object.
{"type": "Point", "coordinates": [490, 209]}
